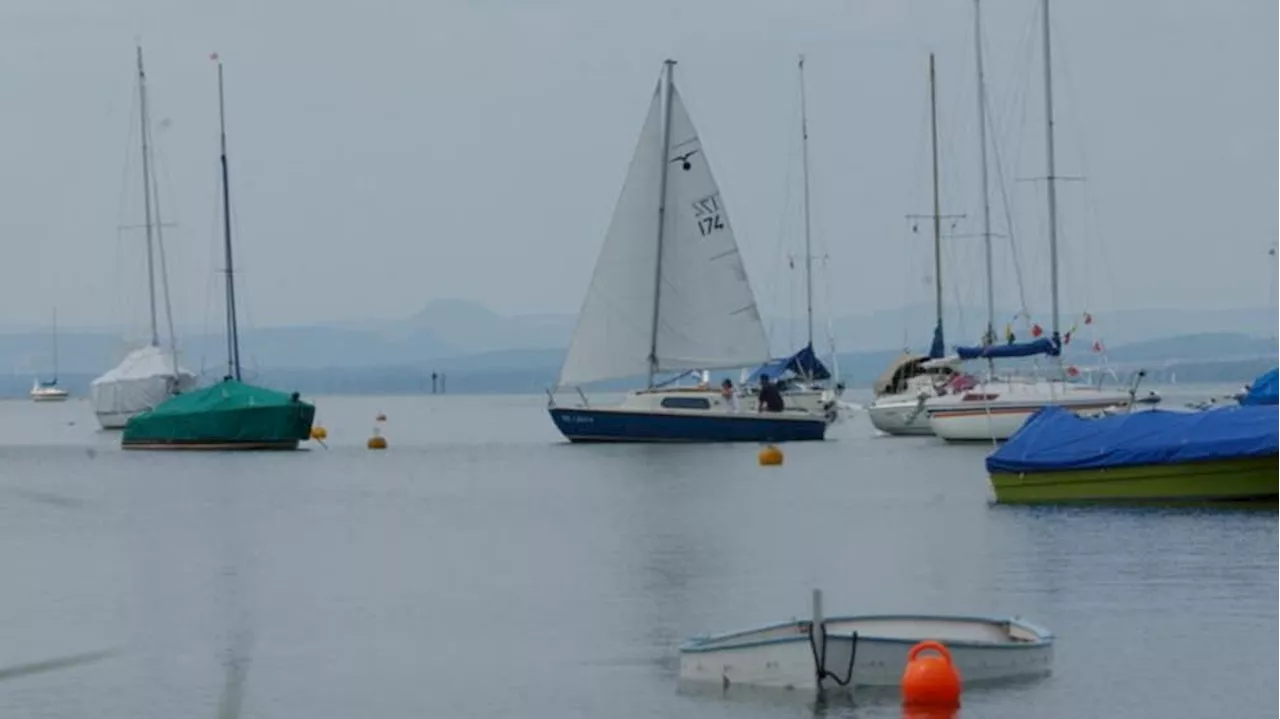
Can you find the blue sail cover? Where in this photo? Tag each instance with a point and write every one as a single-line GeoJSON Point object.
{"type": "Point", "coordinates": [803, 364]}
{"type": "Point", "coordinates": [1054, 439]}
{"type": "Point", "coordinates": [1042, 346]}
{"type": "Point", "coordinates": [938, 349]}
{"type": "Point", "coordinates": [1264, 390]}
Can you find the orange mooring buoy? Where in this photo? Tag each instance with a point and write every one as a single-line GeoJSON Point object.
{"type": "Point", "coordinates": [930, 680]}
{"type": "Point", "coordinates": [770, 456]}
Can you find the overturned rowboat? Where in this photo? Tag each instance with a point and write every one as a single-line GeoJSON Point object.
{"type": "Point", "coordinates": [838, 653]}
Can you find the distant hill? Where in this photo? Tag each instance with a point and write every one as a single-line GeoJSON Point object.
{"type": "Point", "coordinates": [482, 350]}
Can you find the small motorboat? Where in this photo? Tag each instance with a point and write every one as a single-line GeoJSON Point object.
{"type": "Point", "coordinates": [839, 653]}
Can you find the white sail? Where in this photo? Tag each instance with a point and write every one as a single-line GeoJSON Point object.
{"type": "Point", "coordinates": [706, 312]}
{"type": "Point", "coordinates": [614, 327]}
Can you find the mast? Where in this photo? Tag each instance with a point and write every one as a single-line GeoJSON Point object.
{"type": "Point", "coordinates": [146, 196]}
{"type": "Point", "coordinates": [1052, 172]}
{"type": "Point", "coordinates": [808, 251]}
{"type": "Point", "coordinates": [233, 340]}
{"type": "Point", "coordinates": [938, 348]}
{"type": "Point", "coordinates": [668, 72]}
{"type": "Point", "coordinates": [990, 336]}
{"type": "Point", "coordinates": [55, 345]}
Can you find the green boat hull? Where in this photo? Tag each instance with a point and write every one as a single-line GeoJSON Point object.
{"type": "Point", "coordinates": [229, 415]}
{"type": "Point", "coordinates": [1238, 482]}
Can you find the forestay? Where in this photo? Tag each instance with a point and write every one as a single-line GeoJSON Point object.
{"type": "Point", "coordinates": [145, 378]}
{"type": "Point", "coordinates": [707, 316]}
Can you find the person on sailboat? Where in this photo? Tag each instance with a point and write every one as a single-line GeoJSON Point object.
{"type": "Point", "coordinates": [728, 394]}
{"type": "Point", "coordinates": [770, 397]}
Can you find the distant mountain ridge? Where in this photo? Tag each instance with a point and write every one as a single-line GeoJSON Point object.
{"type": "Point", "coordinates": [483, 351]}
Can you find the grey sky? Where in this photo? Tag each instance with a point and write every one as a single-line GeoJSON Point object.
{"type": "Point", "coordinates": [388, 153]}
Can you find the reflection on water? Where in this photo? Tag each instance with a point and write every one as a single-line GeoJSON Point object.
{"type": "Point", "coordinates": [480, 567]}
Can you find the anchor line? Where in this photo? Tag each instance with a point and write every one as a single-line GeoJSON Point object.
{"type": "Point", "coordinates": [820, 663]}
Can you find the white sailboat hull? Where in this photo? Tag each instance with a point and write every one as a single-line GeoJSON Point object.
{"type": "Point", "coordinates": [900, 415]}
{"type": "Point", "coordinates": [783, 656]}
{"type": "Point", "coordinates": [996, 411]}
{"type": "Point", "coordinates": [52, 395]}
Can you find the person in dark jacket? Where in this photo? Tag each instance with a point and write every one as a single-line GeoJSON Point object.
{"type": "Point", "coordinates": [770, 397]}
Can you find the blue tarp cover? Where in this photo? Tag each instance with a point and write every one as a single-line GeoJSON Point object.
{"type": "Point", "coordinates": [1264, 390]}
{"type": "Point", "coordinates": [1054, 439]}
{"type": "Point", "coordinates": [1042, 346]}
{"type": "Point", "coordinates": [803, 364]}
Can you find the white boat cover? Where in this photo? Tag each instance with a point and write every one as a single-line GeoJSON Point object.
{"type": "Point", "coordinates": [143, 379]}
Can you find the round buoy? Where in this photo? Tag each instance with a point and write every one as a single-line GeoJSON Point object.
{"type": "Point", "coordinates": [319, 432]}
{"type": "Point", "coordinates": [770, 456]}
{"type": "Point", "coordinates": [930, 680]}
{"type": "Point", "coordinates": [377, 441]}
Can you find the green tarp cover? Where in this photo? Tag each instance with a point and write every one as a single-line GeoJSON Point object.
{"type": "Point", "coordinates": [229, 411]}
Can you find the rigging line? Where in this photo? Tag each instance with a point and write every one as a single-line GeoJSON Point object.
{"type": "Point", "coordinates": [159, 168]}
{"type": "Point", "coordinates": [1017, 114]}
{"type": "Point", "coordinates": [122, 305]}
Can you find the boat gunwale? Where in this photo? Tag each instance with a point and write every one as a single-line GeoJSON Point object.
{"type": "Point", "coordinates": [702, 414]}
{"type": "Point", "coordinates": [702, 644]}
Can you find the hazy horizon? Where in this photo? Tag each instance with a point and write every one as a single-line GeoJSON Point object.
{"type": "Point", "coordinates": [391, 154]}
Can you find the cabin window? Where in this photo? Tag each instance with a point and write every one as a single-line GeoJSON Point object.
{"type": "Point", "coordinates": [686, 403]}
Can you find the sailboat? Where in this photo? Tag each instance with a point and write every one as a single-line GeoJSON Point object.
{"type": "Point", "coordinates": [995, 409]}
{"type": "Point", "coordinates": [49, 391]}
{"type": "Point", "coordinates": [150, 374]}
{"type": "Point", "coordinates": [670, 295]}
{"type": "Point", "coordinates": [231, 414]}
{"type": "Point", "coordinates": [802, 376]}
{"type": "Point", "coordinates": [911, 380]}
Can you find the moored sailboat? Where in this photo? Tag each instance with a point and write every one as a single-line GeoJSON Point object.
{"type": "Point", "coordinates": [670, 295]}
{"type": "Point", "coordinates": [231, 414]}
{"type": "Point", "coordinates": [997, 408]}
{"type": "Point", "coordinates": [48, 390]}
{"type": "Point", "coordinates": [150, 374]}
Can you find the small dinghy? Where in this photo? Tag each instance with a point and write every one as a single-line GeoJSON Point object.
{"type": "Point", "coordinates": [869, 651]}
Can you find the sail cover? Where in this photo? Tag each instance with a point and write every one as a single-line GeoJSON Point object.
{"type": "Point", "coordinates": [804, 363]}
{"type": "Point", "coordinates": [1264, 390]}
{"type": "Point", "coordinates": [143, 379]}
{"type": "Point", "coordinates": [706, 311]}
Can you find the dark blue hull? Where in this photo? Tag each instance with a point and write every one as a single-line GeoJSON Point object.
{"type": "Point", "coordinates": [603, 425]}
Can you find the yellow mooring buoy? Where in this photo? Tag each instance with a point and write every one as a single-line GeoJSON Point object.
{"type": "Point", "coordinates": [319, 432]}
{"type": "Point", "coordinates": [770, 456]}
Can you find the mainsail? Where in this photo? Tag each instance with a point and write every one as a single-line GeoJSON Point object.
{"type": "Point", "coordinates": [673, 298]}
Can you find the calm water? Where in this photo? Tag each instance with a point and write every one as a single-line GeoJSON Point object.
{"type": "Point", "coordinates": [480, 567]}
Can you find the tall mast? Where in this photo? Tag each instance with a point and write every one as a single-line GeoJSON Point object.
{"type": "Point", "coordinates": [146, 196]}
{"type": "Point", "coordinates": [990, 336]}
{"type": "Point", "coordinates": [233, 340]}
{"type": "Point", "coordinates": [808, 251]}
{"type": "Point", "coordinates": [668, 67]}
{"type": "Point", "coordinates": [938, 347]}
{"type": "Point", "coordinates": [1052, 172]}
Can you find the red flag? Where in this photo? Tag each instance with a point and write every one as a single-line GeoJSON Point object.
{"type": "Point", "coordinates": [1097, 345]}
{"type": "Point", "coordinates": [1072, 371]}
{"type": "Point", "coordinates": [1066, 339]}
{"type": "Point", "coordinates": [213, 56]}
{"type": "Point", "coordinates": [1036, 330]}
{"type": "Point", "coordinates": [1088, 318]}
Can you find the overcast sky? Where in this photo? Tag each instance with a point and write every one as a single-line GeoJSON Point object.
{"type": "Point", "coordinates": [387, 153]}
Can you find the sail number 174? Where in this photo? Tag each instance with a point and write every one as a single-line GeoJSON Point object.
{"type": "Point", "coordinates": [709, 214]}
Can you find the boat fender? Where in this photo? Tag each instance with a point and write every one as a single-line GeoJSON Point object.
{"type": "Point", "coordinates": [931, 680]}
